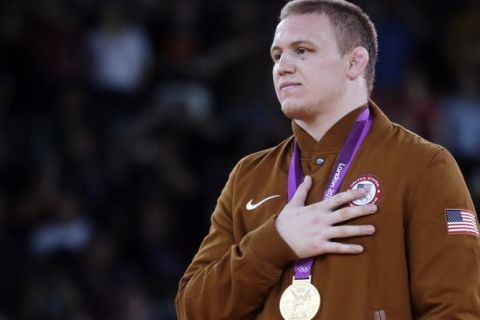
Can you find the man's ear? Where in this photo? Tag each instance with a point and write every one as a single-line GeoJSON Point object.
{"type": "Point", "coordinates": [358, 62]}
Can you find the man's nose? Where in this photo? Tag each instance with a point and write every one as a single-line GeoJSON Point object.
{"type": "Point", "coordinates": [285, 65]}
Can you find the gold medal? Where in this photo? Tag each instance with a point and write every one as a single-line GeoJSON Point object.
{"type": "Point", "coordinates": [300, 301]}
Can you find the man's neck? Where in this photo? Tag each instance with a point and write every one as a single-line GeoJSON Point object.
{"type": "Point", "coordinates": [318, 126]}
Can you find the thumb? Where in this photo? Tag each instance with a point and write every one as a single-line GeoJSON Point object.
{"type": "Point", "coordinates": [300, 195]}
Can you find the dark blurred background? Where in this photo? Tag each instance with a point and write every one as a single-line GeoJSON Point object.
{"type": "Point", "coordinates": [120, 121]}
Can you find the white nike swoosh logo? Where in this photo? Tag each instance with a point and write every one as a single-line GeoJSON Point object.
{"type": "Point", "coordinates": [251, 206]}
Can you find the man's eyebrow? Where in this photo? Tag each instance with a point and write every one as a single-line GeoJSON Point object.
{"type": "Point", "coordinates": [293, 44]}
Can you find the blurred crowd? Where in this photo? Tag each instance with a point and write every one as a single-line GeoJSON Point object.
{"type": "Point", "coordinates": [120, 121]}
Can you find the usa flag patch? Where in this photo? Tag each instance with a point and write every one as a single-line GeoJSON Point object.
{"type": "Point", "coordinates": [461, 221]}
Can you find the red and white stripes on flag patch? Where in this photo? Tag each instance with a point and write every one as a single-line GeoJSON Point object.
{"type": "Point", "coordinates": [461, 221]}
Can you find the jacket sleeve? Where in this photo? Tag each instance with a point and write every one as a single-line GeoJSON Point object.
{"type": "Point", "coordinates": [444, 267]}
{"type": "Point", "coordinates": [230, 280]}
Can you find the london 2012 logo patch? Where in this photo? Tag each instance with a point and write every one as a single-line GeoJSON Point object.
{"type": "Point", "coordinates": [373, 187]}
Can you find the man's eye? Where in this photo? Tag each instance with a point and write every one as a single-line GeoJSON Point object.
{"type": "Point", "coordinates": [301, 50]}
{"type": "Point", "coordinates": [276, 56]}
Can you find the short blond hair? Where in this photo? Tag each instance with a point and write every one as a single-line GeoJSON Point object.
{"type": "Point", "coordinates": [353, 27]}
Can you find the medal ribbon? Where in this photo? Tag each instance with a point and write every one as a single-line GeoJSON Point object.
{"type": "Point", "coordinates": [303, 267]}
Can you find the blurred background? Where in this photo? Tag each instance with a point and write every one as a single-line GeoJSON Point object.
{"type": "Point", "coordinates": [120, 121]}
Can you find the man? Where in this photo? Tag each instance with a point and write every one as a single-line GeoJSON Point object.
{"type": "Point", "coordinates": [382, 226]}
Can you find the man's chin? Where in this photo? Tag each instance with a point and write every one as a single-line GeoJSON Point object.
{"type": "Point", "coordinates": [298, 113]}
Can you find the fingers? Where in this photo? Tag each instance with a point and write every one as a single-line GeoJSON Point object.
{"type": "Point", "coordinates": [348, 213]}
{"type": "Point", "coordinates": [348, 231]}
{"type": "Point", "coordinates": [345, 232]}
{"type": "Point", "coordinates": [300, 195]}
{"type": "Point", "coordinates": [335, 247]}
{"type": "Point", "coordinates": [342, 198]}
{"type": "Point", "coordinates": [321, 243]}
{"type": "Point", "coordinates": [308, 230]}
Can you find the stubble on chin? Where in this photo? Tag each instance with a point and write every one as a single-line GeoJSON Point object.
{"type": "Point", "coordinates": [297, 112]}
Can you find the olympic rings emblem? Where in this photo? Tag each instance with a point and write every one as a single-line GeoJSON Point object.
{"type": "Point", "coordinates": [303, 269]}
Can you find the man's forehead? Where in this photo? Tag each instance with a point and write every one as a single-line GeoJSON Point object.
{"type": "Point", "coordinates": [302, 27]}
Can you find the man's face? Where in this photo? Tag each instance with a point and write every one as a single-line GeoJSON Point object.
{"type": "Point", "coordinates": [309, 73]}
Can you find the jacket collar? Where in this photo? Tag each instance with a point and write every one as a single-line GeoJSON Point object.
{"type": "Point", "coordinates": [334, 138]}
